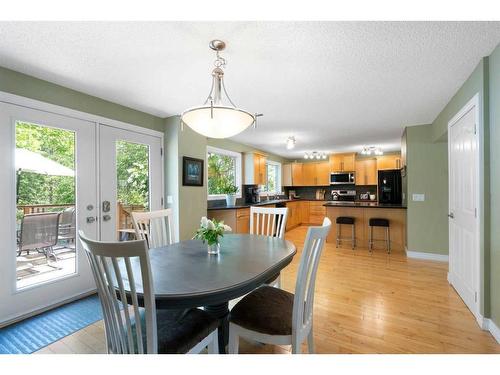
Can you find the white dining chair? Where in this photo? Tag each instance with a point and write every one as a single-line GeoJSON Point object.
{"type": "Point", "coordinates": [156, 227]}
{"type": "Point", "coordinates": [274, 316]}
{"type": "Point", "coordinates": [269, 221]}
{"type": "Point", "coordinates": [129, 328]}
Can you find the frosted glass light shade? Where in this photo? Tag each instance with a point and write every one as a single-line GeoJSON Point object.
{"type": "Point", "coordinates": [225, 122]}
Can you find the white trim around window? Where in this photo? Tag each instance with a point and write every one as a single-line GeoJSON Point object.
{"type": "Point", "coordinates": [238, 174]}
{"type": "Point", "coordinates": [278, 178]}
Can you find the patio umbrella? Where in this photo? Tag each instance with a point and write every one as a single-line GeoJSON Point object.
{"type": "Point", "coordinates": [29, 161]}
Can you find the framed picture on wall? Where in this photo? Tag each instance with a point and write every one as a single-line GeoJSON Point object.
{"type": "Point", "coordinates": [192, 171]}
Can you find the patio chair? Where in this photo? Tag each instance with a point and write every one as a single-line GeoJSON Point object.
{"type": "Point", "coordinates": [39, 232]}
{"type": "Point", "coordinates": [67, 225]}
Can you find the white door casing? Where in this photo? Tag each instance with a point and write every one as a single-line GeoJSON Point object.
{"type": "Point", "coordinates": [23, 301]}
{"type": "Point", "coordinates": [464, 216]}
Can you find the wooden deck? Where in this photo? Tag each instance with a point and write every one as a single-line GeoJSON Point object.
{"type": "Point", "coordinates": [364, 303]}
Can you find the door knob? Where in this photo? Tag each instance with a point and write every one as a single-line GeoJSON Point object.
{"type": "Point", "coordinates": [106, 217]}
{"type": "Point", "coordinates": [451, 216]}
{"type": "Point", "coordinates": [90, 219]}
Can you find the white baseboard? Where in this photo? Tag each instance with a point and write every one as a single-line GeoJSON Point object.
{"type": "Point", "coordinates": [427, 256]}
{"type": "Point", "coordinates": [489, 325]}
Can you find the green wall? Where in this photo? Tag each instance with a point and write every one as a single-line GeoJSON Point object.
{"type": "Point", "coordinates": [30, 87]}
{"type": "Point", "coordinates": [427, 168]}
{"type": "Point", "coordinates": [228, 144]}
{"type": "Point", "coordinates": [189, 202]}
{"type": "Point", "coordinates": [494, 179]}
{"type": "Point", "coordinates": [474, 84]}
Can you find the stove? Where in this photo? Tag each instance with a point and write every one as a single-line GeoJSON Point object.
{"type": "Point", "coordinates": [343, 195]}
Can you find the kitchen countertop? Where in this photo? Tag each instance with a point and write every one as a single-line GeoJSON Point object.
{"type": "Point", "coordinates": [328, 203]}
{"type": "Point", "coordinates": [363, 205]}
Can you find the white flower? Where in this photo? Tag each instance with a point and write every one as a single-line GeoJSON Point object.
{"type": "Point", "coordinates": [204, 222]}
{"type": "Point", "coordinates": [227, 228]}
{"type": "Point", "coordinates": [210, 225]}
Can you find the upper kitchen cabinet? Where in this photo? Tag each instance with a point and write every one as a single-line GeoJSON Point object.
{"type": "Point", "coordinates": [366, 172]}
{"type": "Point", "coordinates": [293, 174]}
{"type": "Point", "coordinates": [255, 168]}
{"type": "Point", "coordinates": [392, 161]}
{"type": "Point", "coordinates": [316, 174]}
{"type": "Point", "coordinates": [342, 162]}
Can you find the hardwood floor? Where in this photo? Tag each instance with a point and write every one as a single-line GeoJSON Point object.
{"type": "Point", "coordinates": [364, 303]}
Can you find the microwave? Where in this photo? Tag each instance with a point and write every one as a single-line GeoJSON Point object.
{"type": "Point", "coordinates": [342, 178]}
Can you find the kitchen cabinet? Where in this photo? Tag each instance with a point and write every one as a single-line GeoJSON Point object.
{"type": "Point", "coordinates": [255, 168]}
{"type": "Point", "coordinates": [366, 172]}
{"type": "Point", "coordinates": [392, 161]}
{"type": "Point", "coordinates": [243, 220]}
{"type": "Point", "coordinates": [287, 175]}
{"type": "Point", "coordinates": [342, 162]}
{"type": "Point", "coordinates": [293, 215]}
{"type": "Point", "coordinates": [316, 174]}
{"type": "Point", "coordinates": [317, 212]}
{"type": "Point", "coordinates": [297, 174]}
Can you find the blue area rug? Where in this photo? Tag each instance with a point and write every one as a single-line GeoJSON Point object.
{"type": "Point", "coordinates": [39, 331]}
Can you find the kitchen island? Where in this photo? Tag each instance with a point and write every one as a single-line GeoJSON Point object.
{"type": "Point", "coordinates": [362, 212]}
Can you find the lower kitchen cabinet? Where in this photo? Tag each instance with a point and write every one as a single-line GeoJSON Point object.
{"type": "Point", "coordinates": [242, 220]}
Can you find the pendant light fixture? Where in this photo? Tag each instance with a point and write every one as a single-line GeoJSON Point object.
{"type": "Point", "coordinates": [290, 143]}
{"type": "Point", "coordinates": [218, 117]}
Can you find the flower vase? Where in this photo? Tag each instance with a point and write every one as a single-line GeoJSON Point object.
{"type": "Point", "coordinates": [214, 248]}
{"type": "Point", "coordinates": [230, 200]}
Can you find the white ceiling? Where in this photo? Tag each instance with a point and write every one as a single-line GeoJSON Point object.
{"type": "Point", "coordinates": [335, 86]}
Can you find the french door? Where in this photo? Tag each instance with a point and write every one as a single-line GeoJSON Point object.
{"type": "Point", "coordinates": [59, 175]}
{"type": "Point", "coordinates": [130, 166]}
{"type": "Point", "coordinates": [464, 257]}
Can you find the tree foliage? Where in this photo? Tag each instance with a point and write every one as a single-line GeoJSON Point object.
{"type": "Point", "coordinates": [132, 172]}
{"type": "Point", "coordinates": [132, 168]}
{"type": "Point", "coordinates": [221, 173]}
{"type": "Point", "coordinates": [57, 145]}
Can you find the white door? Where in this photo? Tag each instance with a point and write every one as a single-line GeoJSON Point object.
{"type": "Point", "coordinates": [131, 178]}
{"type": "Point", "coordinates": [463, 204]}
{"type": "Point", "coordinates": [54, 171]}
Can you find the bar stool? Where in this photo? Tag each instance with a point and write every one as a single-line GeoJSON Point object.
{"type": "Point", "coordinates": [349, 221]}
{"type": "Point", "coordinates": [377, 222]}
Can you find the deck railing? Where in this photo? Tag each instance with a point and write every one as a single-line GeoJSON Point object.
{"type": "Point", "coordinates": [41, 208]}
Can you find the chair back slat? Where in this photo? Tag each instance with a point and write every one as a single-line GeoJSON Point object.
{"type": "Point", "coordinates": [306, 276]}
{"type": "Point", "coordinates": [156, 227]}
{"type": "Point", "coordinates": [268, 221]}
{"type": "Point", "coordinates": [116, 281]}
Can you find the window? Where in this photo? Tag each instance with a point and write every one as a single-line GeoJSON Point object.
{"type": "Point", "coordinates": [223, 168]}
{"type": "Point", "coordinates": [273, 177]}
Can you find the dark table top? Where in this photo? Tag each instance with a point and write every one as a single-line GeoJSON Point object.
{"type": "Point", "coordinates": [185, 275]}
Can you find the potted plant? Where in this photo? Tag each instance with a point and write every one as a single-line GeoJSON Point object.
{"type": "Point", "coordinates": [210, 232]}
{"type": "Point", "coordinates": [230, 190]}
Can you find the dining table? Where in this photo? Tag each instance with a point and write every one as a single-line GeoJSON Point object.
{"type": "Point", "coordinates": [186, 276]}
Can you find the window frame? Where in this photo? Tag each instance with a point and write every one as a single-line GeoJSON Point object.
{"type": "Point", "coordinates": [279, 187]}
{"type": "Point", "coordinates": [238, 173]}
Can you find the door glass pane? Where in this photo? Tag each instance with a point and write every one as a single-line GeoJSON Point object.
{"type": "Point", "coordinates": [45, 197]}
{"type": "Point", "coordinates": [132, 182]}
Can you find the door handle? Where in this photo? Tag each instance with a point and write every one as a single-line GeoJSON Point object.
{"type": "Point", "coordinates": [106, 217]}
{"type": "Point", "coordinates": [91, 219]}
{"type": "Point", "coordinates": [451, 216]}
